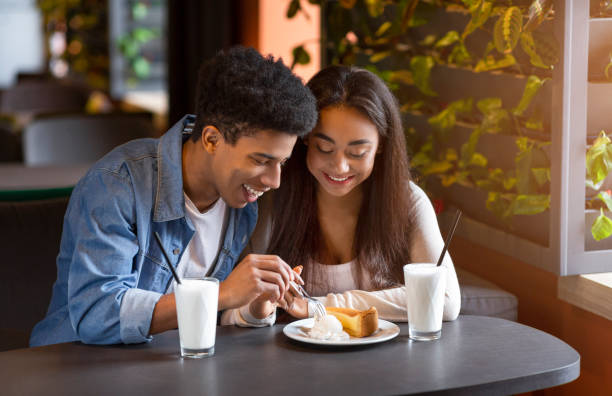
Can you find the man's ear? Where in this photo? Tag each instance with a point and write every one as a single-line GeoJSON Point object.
{"type": "Point", "coordinates": [211, 138]}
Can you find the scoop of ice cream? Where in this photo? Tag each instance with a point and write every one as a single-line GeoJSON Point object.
{"type": "Point", "coordinates": [328, 327]}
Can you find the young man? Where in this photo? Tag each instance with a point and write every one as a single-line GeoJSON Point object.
{"type": "Point", "coordinates": [196, 186]}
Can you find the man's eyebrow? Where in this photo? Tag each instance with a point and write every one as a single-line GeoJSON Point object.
{"type": "Point", "coordinates": [266, 156]}
{"type": "Point", "coordinates": [353, 143]}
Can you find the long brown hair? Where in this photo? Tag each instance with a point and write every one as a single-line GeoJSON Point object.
{"type": "Point", "coordinates": [382, 240]}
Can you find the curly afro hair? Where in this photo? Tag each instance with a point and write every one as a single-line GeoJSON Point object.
{"type": "Point", "coordinates": [240, 92]}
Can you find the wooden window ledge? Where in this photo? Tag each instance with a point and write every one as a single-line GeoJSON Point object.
{"type": "Point", "coordinates": [592, 292]}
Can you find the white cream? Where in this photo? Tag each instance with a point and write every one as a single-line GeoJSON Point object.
{"type": "Point", "coordinates": [328, 327]}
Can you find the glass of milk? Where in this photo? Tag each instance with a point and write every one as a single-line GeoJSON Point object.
{"type": "Point", "coordinates": [196, 311]}
{"type": "Point", "coordinates": [425, 287]}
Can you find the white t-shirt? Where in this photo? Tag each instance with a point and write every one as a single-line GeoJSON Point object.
{"type": "Point", "coordinates": [202, 250]}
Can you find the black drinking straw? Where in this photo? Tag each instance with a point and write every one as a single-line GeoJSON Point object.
{"type": "Point", "coordinates": [174, 274]}
{"type": "Point", "coordinates": [449, 237]}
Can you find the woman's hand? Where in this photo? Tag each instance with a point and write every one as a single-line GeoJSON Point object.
{"type": "Point", "coordinates": [294, 304]}
{"type": "Point", "coordinates": [262, 306]}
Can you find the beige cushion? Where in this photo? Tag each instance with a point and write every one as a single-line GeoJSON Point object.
{"type": "Point", "coordinates": [481, 297]}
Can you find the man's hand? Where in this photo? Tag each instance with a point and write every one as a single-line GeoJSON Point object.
{"type": "Point", "coordinates": [257, 275]}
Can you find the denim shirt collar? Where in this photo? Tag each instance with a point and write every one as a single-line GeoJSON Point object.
{"type": "Point", "coordinates": [169, 199]}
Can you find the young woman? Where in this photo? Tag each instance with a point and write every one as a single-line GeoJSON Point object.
{"type": "Point", "coordinates": [346, 209]}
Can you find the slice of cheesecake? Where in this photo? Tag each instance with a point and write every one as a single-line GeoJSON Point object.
{"type": "Point", "coordinates": [356, 323]}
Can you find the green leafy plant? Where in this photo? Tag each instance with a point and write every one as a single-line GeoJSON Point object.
{"type": "Point", "coordinates": [598, 166]}
{"type": "Point", "coordinates": [131, 44]}
{"type": "Point", "coordinates": [383, 36]}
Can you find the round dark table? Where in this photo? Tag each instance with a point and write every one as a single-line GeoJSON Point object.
{"type": "Point", "coordinates": [476, 355]}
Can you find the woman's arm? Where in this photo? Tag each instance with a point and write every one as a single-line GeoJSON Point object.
{"type": "Point", "coordinates": [390, 303]}
{"type": "Point", "coordinates": [426, 246]}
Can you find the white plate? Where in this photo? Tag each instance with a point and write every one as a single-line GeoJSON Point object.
{"type": "Point", "coordinates": [298, 331]}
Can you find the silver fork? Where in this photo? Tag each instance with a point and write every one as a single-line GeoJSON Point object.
{"type": "Point", "coordinates": [318, 306]}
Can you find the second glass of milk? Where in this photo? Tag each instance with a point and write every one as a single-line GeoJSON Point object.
{"type": "Point", "coordinates": [196, 311]}
{"type": "Point", "coordinates": [425, 288]}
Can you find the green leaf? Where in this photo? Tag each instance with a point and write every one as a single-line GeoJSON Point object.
{"type": "Point", "coordinates": [448, 180]}
{"type": "Point", "coordinates": [547, 46]}
{"type": "Point", "coordinates": [438, 167]}
{"type": "Point", "coordinates": [529, 46]}
{"type": "Point", "coordinates": [421, 70]}
{"type": "Point", "coordinates": [535, 122]}
{"type": "Point", "coordinates": [469, 148]}
{"type": "Point", "coordinates": [430, 39]}
{"type": "Point", "coordinates": [530, 204]}
{"type": "Point", "coordinates": [403, 76]}
{"type": "Point", "coordinates": [532, 86]}
{"type": "Point", "coordinates": [142, 67]}
{"type": "Point", "coordinates": [129, 47]}
{"type": "Point", "coordinates": [488, 105]}
{"type": "Point", "coordinates": [448, 39]}
{"type": "Point", "coordinates": [420, 160]}
{"type": "Point", "coordinates": [143, 35]}
{"type": "Point", "coordinates": [522, 143]}
{"type": "Point", "coordinates": [478, 160]}
{"type": "Point", "coordinates": [608, 66]}
{"type": "Point", "coordinates": [599, 159]}
{"type": "Point", "coordinates": [375, 7]}
{"type": "Point", "coordinates": [605, 197]}
{"type": "Point", "coordinates": [300, 56]}
{"type": "Point", "coordinates": [377, 57]}
{"type": "Point", "coordinates": [509, 183]}
{"type": "Point", "coordinates": [507, 30]}
{"type": "Point", "coordinates": [445, 119]}
{"type": "Point", "coordinates": [485, 184]}
{"type": "Point", "coordinates": [537, 11]}
{"type": "Point", "coordinates": [541, 175]}
{"type": "Point", "coordinates": [139, 11]}
{"type": "Point", "coordinates": [459, 55]}
{"type": "Point", "coordinates": [493, 114]}
{"type": "Point", "coordinates": [481, 11]}
{"type": "Point", "coordinates": [293, 8]}
{"type": "Point", "coordinates": [602, 227]}
{"type": "Point", "coordinates": [384, 75]}
{"type": "Point", "coordinates": [383, 28]}
{"type": "Point", "coordinates": [524, 161]}
{"type": "Point", "coordinates": [497, 204]}
{"type": "Point", "coordinates": [590, 184]}
{"type": "Point", "coordinates": [490, 63]}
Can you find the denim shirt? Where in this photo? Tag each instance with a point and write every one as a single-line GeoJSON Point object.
{"type": "Point", "coordinates": [110, 269]}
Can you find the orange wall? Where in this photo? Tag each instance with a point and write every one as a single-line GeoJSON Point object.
{"type": "Point", "coordinates": [274, 34]}
{"type": "Point", "coordinates": [539, 307]}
